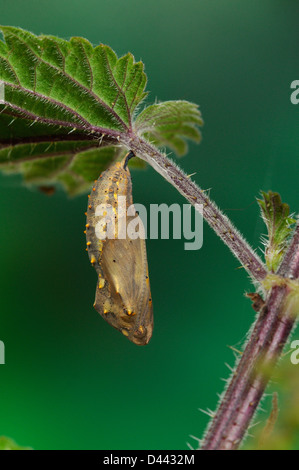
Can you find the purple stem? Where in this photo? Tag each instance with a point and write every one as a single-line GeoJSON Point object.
{"type": "Point", "coordinates": [248, 383]}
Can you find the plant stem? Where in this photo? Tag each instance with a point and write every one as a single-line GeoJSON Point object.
{"type": "Point", "coordinates": [196, 196]}
{"type": "Point", "coordinates": [290, 263]}
{"type": "Point", "coordinates": [249, 381]}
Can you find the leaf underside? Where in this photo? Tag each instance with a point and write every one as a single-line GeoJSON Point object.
{"type": "Point", "coordinates": [66, 105]}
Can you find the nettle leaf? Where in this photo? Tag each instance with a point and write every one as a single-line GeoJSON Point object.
{"type": "Point", "coordinates": [170, 123]}
{"type": "Point", "coordinates": [276, 216]}
{"type": "Point", "coordinates": [67, 109]}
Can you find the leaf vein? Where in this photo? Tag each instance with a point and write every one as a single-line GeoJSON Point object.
{"type": "Point", "coordinates": [116, 84]}
{"type": "Point", "coordinates": [80, 85]}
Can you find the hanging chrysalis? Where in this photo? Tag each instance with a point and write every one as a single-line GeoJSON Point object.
{"type": "Point", "coordinates": [123, 296]}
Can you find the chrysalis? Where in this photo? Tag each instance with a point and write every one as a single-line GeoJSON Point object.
{"type": "Point", "coordinates": [123, 296]}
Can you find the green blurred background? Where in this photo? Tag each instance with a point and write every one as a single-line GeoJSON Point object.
{"type": "Point", "coordinates": [71, 381]}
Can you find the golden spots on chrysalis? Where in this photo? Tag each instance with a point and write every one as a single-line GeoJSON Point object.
{"type": "Point", "coordinates": [130, 312]}
{"type": "Point", "coordinates": [88, 243]}
{"type": "Point", "coordinates": [101, 283]}
{"type": "Point", "coordinates": [93, 260]}
{"type": "Point", "coordinates": [87, 225]}
{"type": "Point", "coordinates": [107, 306]}
{"type": "Point", "coordinates": [125, 332]}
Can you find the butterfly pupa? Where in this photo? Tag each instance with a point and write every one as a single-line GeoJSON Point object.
{"type": "Point", "coordinates": [123, 295]}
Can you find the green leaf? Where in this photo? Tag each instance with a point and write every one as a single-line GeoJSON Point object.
{"type": "Point", "coordinates": [67, 109]}
{"type": "Point", "coordinates": [276, 216]}
{"type": "Point", "coordinates": [170, 123]}
{"type": "Point", "coordinates": [76, 171]}
{"type": "Point", "coordinates": [70, 81]}
{"type": "Point", "coordinates": [8, 444]}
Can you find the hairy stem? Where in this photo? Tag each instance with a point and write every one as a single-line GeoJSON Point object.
{"type": "Point", "coordinates": [248, 383]}
{"type": "Point", "coordinates": [196, 196]}
{"type": "Point", "coordinates": [290, 264]}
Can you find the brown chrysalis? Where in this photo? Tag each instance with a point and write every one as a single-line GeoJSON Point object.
{"type": "Point", "coordinates": [123, 296]}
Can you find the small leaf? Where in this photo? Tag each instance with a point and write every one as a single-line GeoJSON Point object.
{"type": "Point", "coordinates": [276, 216]}
{"type": "Point", "coordinates": [170, 123]}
